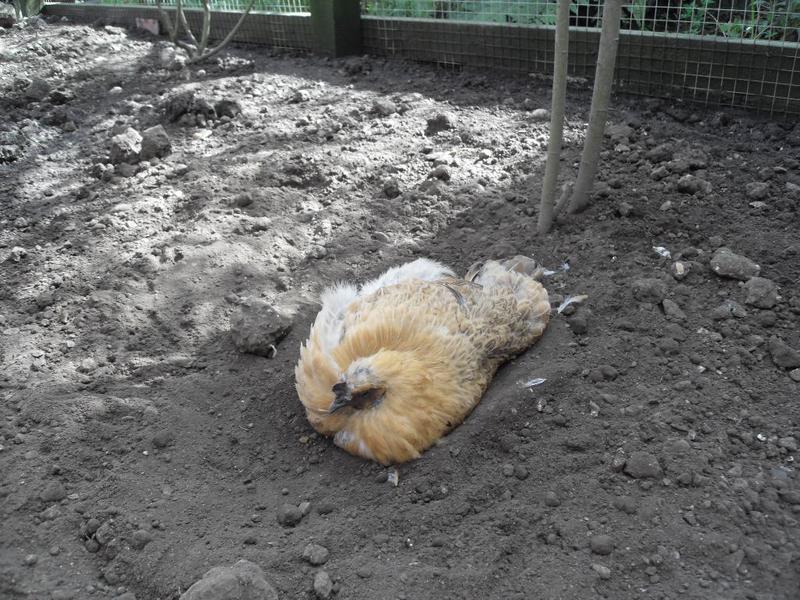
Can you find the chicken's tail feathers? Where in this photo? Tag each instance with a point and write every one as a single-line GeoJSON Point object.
{"type": "Point", "coordinates": [521, 276]}
{"type": "Point", "coordinates": [496, 272]}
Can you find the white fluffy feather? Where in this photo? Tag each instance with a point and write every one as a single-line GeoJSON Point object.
{"type": "Point", "coordinates": [337, 298]}
{"type": "Point", "coordinates": [422, 268]}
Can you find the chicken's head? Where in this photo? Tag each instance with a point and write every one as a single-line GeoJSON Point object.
{"type": "Point", "coordinates": [360, 387]}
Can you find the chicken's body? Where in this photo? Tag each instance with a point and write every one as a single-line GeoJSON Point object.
{"type": "Point", "coordinates": [392, 367]}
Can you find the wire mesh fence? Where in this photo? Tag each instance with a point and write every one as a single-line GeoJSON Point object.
{"type": "Point", "coordinates": [260, 6]}
{"type": "Point", "coordinates": [737, 53]}
{"type": "Point", "coordinates": [737, 19]}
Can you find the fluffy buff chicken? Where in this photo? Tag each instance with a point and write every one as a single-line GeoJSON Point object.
{"type": "Point", "coordinates": [392, 366]}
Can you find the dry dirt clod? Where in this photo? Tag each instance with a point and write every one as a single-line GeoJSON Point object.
{"type": "Point", "coordinates": [257, 328]}
{"type": "Point", "coordinates": [243, 580]}
{"type": "Point", "coordinates": [726, 263]}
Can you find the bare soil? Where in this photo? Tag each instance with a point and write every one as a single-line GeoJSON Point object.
{"type": "Point", "coordinates": [140, 448]}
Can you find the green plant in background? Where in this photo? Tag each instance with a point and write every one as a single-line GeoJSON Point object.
{"type": "Point", "coordinates": [697, 16]}
{"type": "Point", "coordinates": [526, 12]}
{"type": "Point", "coordinates": [759, 20]}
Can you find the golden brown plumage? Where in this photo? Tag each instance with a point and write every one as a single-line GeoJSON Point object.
{"type": "Point", "coordinates": [392, 367]}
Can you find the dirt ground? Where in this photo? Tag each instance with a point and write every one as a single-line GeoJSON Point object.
{"type": "Point", "coordinates": [139, 448]}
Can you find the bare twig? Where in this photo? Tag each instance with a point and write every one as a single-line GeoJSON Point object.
{"type": "Point", "coordinates": [219, 47]}
{"type": "Point", "coordinates": [206, 26]}
{"type": "Point", "coordinates": [185, 25]}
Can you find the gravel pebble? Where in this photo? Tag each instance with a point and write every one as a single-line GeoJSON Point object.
{"type": "Point", "coordinates": [155, 143]}
{"type": "Point", "coordinates": [540, 114]}
{"type": "Point", "coordinates": [757, 190]}
{"type": "Point", "coordinates": [53, 492]}
{"type": "Point", "coordinates": [384, 107]}
{"type": "Point", "coordinates": [289, 515]}
{"type": "Point", "coordinates": [126, 146]}
{"type": "Point", "coordinates": [163, 438]}
{"type": "Point", "coordinates": [640, 465]}
{"type": "Point", "coordinates": [729, 309]}
{"type": "Point", "coordinates": [649, 290]}
{"type": "Point", "coordinates": [243, 580]}
{"type": "Point", "coordinates": [257, 328]}
{"type": "Point", "coordinates": [782, 354]}
{"type": "Point", "coordinates": [323, 586]}
{"type": "Point", "coordinates": [726, 263]}
{"type": "Point", "coordinates": [552, 499]}
{"type": "Point", "coordinates": [672, 310]}
{"type": "Point", "coordinates": [315, 554]}
{"type": "Point", "coordinates": [761, 292]}
{"type": "Point", "coordinates": [602, 571]}
{"type": "Point", "coordinates": [601, 544]}
{"type": "Point", "coordinates": [626, 504]}
{"type": "Point", "coordinates": [440, 122]}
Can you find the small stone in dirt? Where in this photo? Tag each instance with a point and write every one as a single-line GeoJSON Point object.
{"type": "Point", "coordinates": [391, 188]}
{"type": "Point", "coordinates": [61, 96]}
{"type": "Point", "coordinates": [242, 581]}
{"type": "Point", "coordinates": [289, 515]}
{"type": "Point", "coordinates": [601, 544]}
{"type": "Point", "coordinates": [672, 310]}
{"type": "Point", "coordinates": [125, 147]}
{"type": "Point", "coordinates": [125, 596]}
{"type": "Point", "coordinates": [228, 108]}
{"type": "Point", "coordinates": [689, 184]}
{"type": "Point", "coordinates": [30, 560]}
{"type": "Point", "coordinates": [54, 492]}
{"type": "Point", "coordinates": [50, 513]}
{"type": "Point", "coordinates": [315, 554]}
{"type": "Point", "coordinates": [552, 499]}
{"type": "Point", "coordinates": [323, 586]}
{"type": "Point", "coordinates": [625, 209]}
{"type": "Point", "coordinates": [579, 322]}
{"type": "Point", "coordinates": [726, 263]}
{"type": "Point", "coordinates": [649, 290]}
{"type": "Point", "coordinates": [384, 107]}
{"type": "Point", "coordinates": [155, 143]}
{"type": "Point", "coordinates": [659, 173]}
{"type": "Point", "coordinates": [140, 539]}
{"type": "Point", "coordinates": [757, 190]}
{"type": "Point", "coordinates": [640, 465]}
{"type": "Point", "coordinates": [625, 503]}
{"type": "Point", "coordinates": [541, 114]}
{"type": "Point", "coordinates": [680, 269]}
{"type": "Point", "coordinates": [163, 438]}
{"type": "Point", "coordinates": [661, 153]}
{"type": "Point", "coordinates": [729, 309]}
{"type": "Point", "coordinates": [794, 374]}
{"type": "Point", "coordinates": [17, 253]}
{"type": "Point", "coordinates": [603, 572]}
{"type": "Point", "coordinates": [258, 328]}
{"type": "Point", "coordinates": [298, 97]}
{"type": "Point", "coordinates": [440, 122]}
{"type": "Point", "coordinates": [37, 89]}
{"type": "Point", "coordinates": [441, 172]}
{"type": "Point", "coordinates": [761, 292]}
{"type": "Point", "coordinates": [364, 572]}
{"type": "Point", "coordinates": [782, 354]}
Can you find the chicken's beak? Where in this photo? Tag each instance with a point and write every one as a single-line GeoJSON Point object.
{"type": "Point", "coordinates": [342, 399]}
